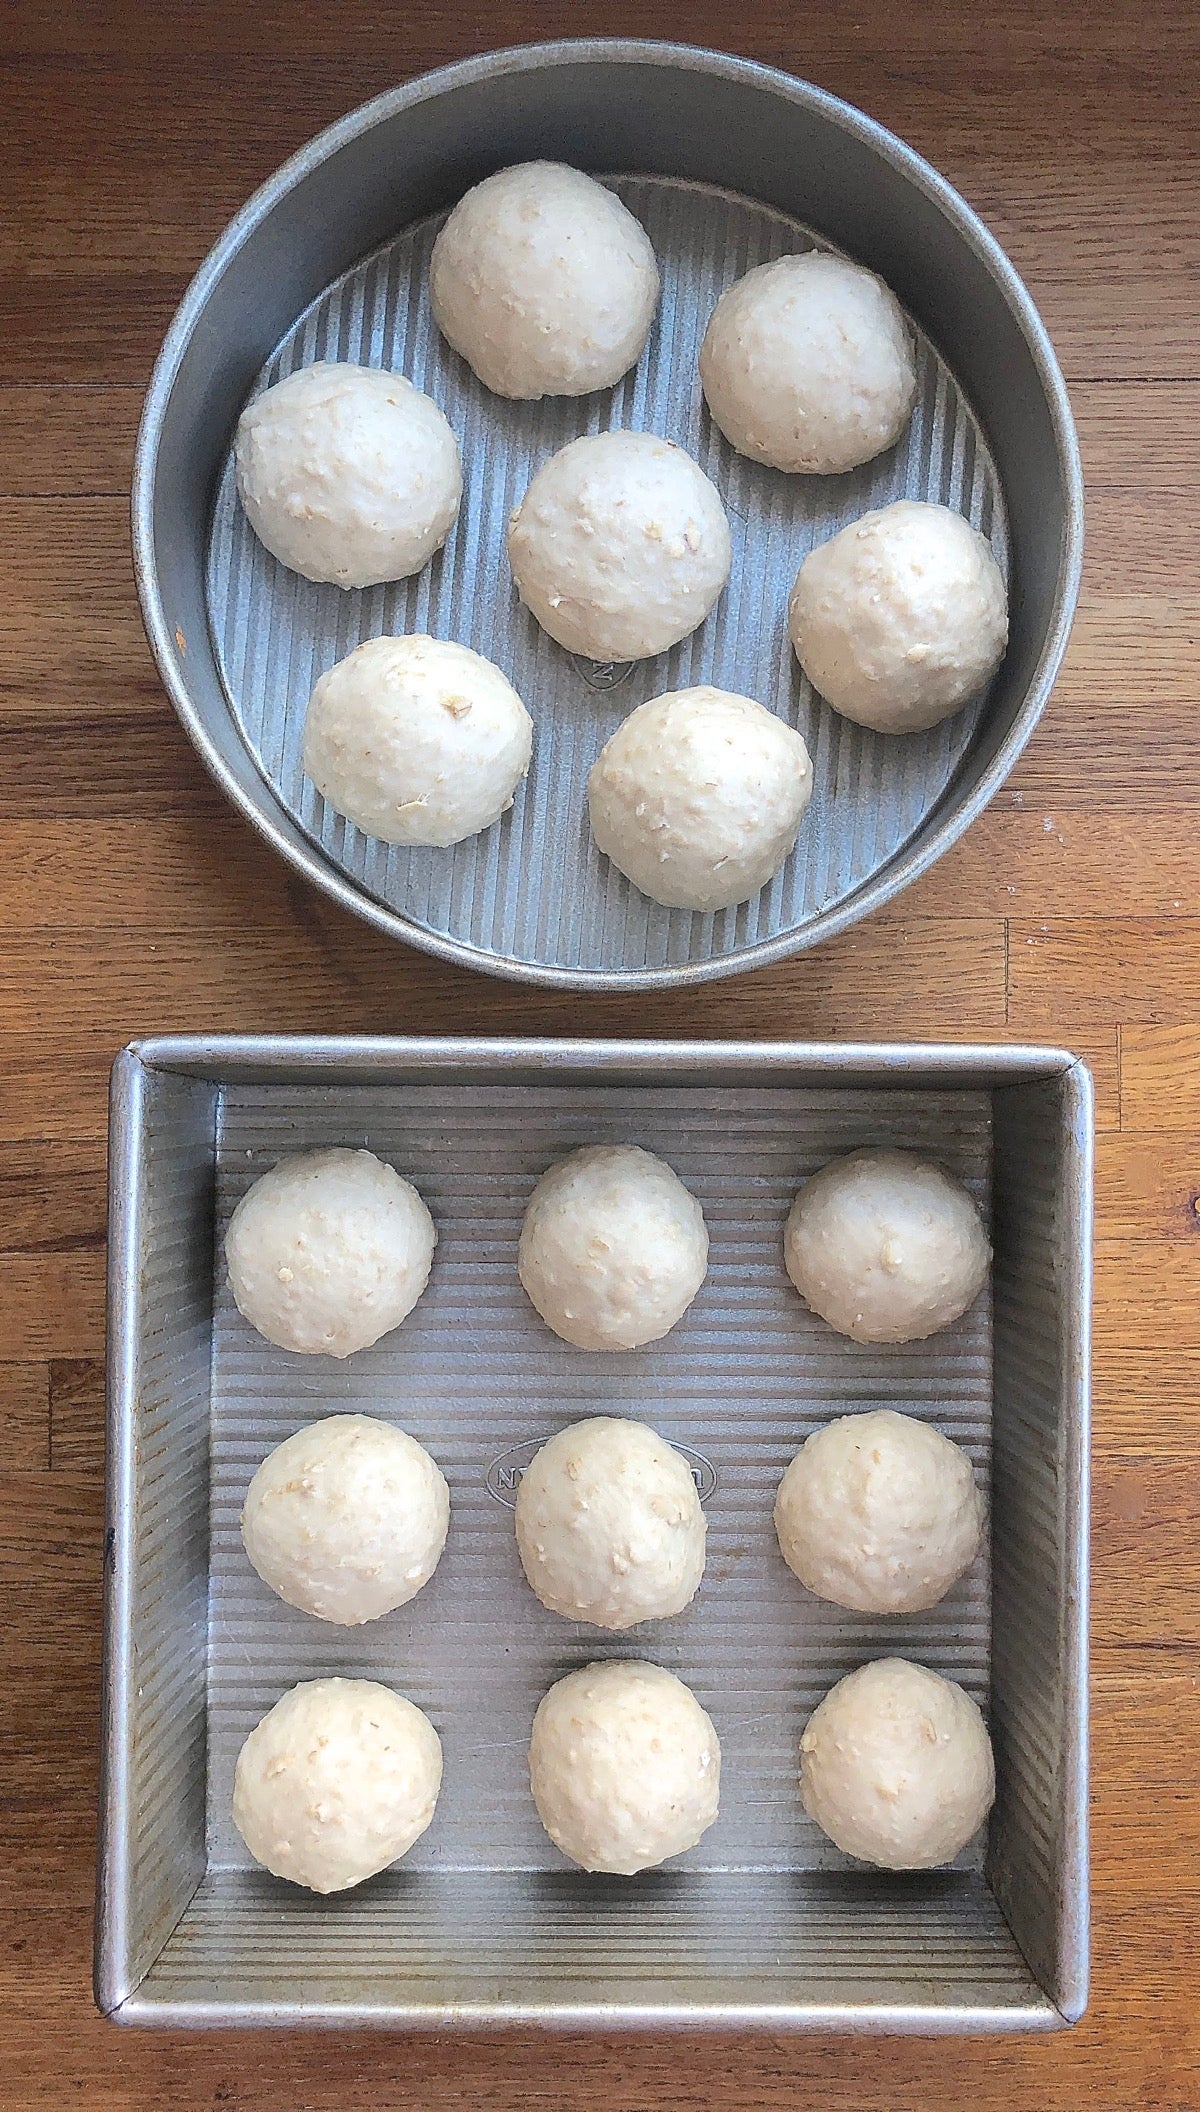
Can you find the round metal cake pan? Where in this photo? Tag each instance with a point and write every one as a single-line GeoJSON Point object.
{"type": "Point", "coordinates": [729, 161]}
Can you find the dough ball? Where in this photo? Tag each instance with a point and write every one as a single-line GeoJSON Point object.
{"type": "Point", "coordinates": [609, 1525]}
{"type": "Point", "coordinates": [901, 617]}
{"type": "Point", "coordinates": [348, 474]}
{"type": "Point", "coordinates": [544, 282]}
{"type": "Point", "coordinates": [329, 1251]}
{"type": "Point", "coordinates": [346, 1519]}
{"type": "Point", "coordinates": [807, 364]}
{"type": "Point", "coordinates": [625, 1767]}
{"type": "Point", "coordinates": [886, 1246]}
{"type": "Point", "coordinates": [620, 546]}
{"type": "Point", "coordinates": [896, 1766]}
{"type": "Point", "coordinates": [613, 1248]}
{"type": "Point", "coordinates": [337, 1781]}
{"type": "Point", "coordinates": [698, 797]}
{"type": "Point", "coordinates": [416, 740]}
{"type": "Point", "coordinates": [880, 1513]}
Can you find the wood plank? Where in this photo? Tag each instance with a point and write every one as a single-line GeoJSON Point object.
{"type": "Point", "coordinates": [1149, 1187]}
{"type": "Point", "coordinates": [52, 1195]}
{"type": "Point", "coordinates": [1145, 1580]}
{"type": "Point", "coordinates": [181, 869]}
{"type": "Point", "coordinates": [51, 1558]}
{"type": "Point", "coordinates": [67, 441]}
{"type": "Point", "coordinates": [1076, 760]}
{"type": "Point", "coordinates": [1148, 40]}
{"type": "Point", "coordinates": [1144, 1395]}
{"type": "Point", "coordinates": [1139, 438]}
{"type": "Point", "coordinates": [1115, 713]}
{"type": "Point", "coordinates": [73, 631]}
{"type": "Point", "coordinates": [1026, 862]}
{"type": "Point", "coordinates": [51, 1305]}
{"type": "Point", "coordinates": [54, 327]}
{"type": "Point", "coordinates": [323, 969]}
{"type": "Point", "coordinates": [1129, 651]}
{"type": "Point", "coordinates": [25, 1417]}
{"type": "Point", "coordinates": [61, 1520]}
{"type": "Point", "coordinates": [1112, 970]}
{"type": "Point", "coordinates": [1150, 1820]}
{"type": "Point", "coordinates": [77, 1418]}
{"type": "Point", "coordinates": [1160, 1074]}
{"type": "Point", "coordinates": [1148, 1294]}
{"type": "Point", "coordinates": [132, 761]}
{"type": "Point", "coordinates": [49, 1094]}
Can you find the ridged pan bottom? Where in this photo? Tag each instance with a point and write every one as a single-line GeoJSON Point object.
{"type": "Point", "coordinates": [473, 1373]}
{"type": "Point", "coordinates": [534, 890]}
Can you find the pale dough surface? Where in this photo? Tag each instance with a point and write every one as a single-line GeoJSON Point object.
{"type": "Point", "coordinates": [328, 1251]}
{"type": "Point", "coordinates": [625, 1766]}
{"type": "Point", "coordinates": [807, 365]}
{"type": "Point", "coordinates": [698, 797]}
{"type": "Point", "coordinates": [879, 1512]}
{"type": "Point", "coordinates": [620, 547]}
{"type": "Point", "coordinates": [609, 1524]}
{"type": "Point", "coordinates": [901, 618]}
{"type": "Point", "coordinates": [337, 1781]}
{"type": "Point", "coordinates": [896, 1766]}
{"type": "Point", "coordinates": [886, 1246]}
{"type": "Point", "coordinates": [347, 1518]}
{"type": "Point", "coordinates": [613, 1247]}
{"type": "Point", "coordinates": [544, 282]}
{"type": "Point", "coordinates": [348, 474]}
{"type": "Point", "coordinates": [417, 740]}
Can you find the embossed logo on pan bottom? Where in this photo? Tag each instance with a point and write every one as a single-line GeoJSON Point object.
{"type": "Point", "coordinates": [603, 674]}
{"type": "Point", "coordinates": [503, 1477]}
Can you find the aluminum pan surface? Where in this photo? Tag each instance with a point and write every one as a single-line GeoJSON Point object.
{"type": "Point", "coordinates": [231, 1960]}
{"type": "Point", "coordinates": [533, 890]}
{"type": "Point", "coordinates": [161, 530]}
{"type": "Point", "coordinates": [746, 1375]}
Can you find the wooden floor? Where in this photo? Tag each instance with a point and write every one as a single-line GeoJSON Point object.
{"type": "Point", "coordinates": [132, 899]}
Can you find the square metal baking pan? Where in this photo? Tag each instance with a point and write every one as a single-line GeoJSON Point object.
{"type": "Point", "coordinates": [763, 1925]}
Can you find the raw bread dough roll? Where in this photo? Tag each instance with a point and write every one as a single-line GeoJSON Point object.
{"type": "Point", "coordinates": [620, 546]}
{"type": "Point", "coordinates": [336, 1782]}
{"type": "Point", "coordinates": [625, 1767]}
{"type": "Point", "coordinates": [613, 1247]}
{"type": "Point", "coordinates": [880, 1513]}
{"type": "Point", "coordinates": [886, 1246]}
{"type": "Point", "coordinates": [698, 797]}
{"type": "Point", "coordinates": [328, 1251]}
{"type": "Point", "coordinates": [609, 1525]}
{"type": "Point", "coordinates": [348, 474]}
{"type": "Point", "coordinates": [418, 741]}
{"type": "Point", "coordinates": [901, 617]}
{"type": "Point", "coordinates": [346, 1519]}
{"type": "Point", "coordinates": [544, 282]}
{"type": "Point", "coordinates": [807, 364]}
{"type": "Point", "coordinates": [896, 1766]}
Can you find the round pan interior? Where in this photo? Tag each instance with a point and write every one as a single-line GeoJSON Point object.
{"type": "Point", "coordinates": [667, 111]}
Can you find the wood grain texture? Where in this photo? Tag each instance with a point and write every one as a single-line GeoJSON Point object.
{"type": "Point", "coordinates": [1161, 1069]}
{"type": "Point", "coordinates": [132, 900]}
{"type": "Point", "coordinates": [25, 1416]}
